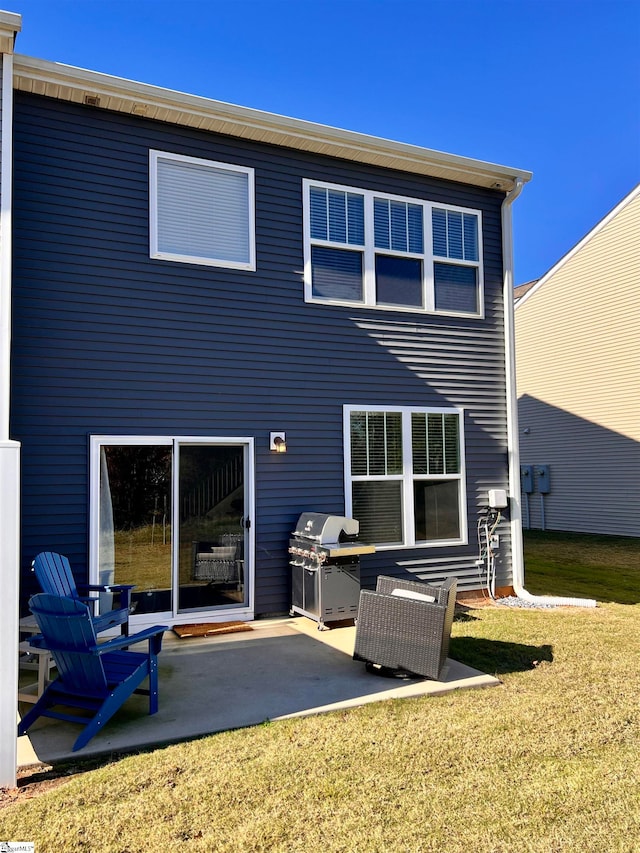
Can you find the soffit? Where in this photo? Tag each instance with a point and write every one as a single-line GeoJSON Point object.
{"type": "Point", "coordinates": [80, 86]}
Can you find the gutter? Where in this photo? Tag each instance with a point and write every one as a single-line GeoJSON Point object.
{"type": "Point", "coordinates": [517, 550]}
{"type": "Point", "coordinates": [104, 91]}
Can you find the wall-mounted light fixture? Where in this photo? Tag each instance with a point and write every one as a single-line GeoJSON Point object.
{"type": "Point", "coordinates": [278, 442]}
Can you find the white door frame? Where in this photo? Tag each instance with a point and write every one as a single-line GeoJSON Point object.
{"type": "Point", "coordinates": [172, 617]}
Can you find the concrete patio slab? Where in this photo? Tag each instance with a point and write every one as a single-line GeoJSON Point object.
{"type": "Point", "coordinates": [283, 668]}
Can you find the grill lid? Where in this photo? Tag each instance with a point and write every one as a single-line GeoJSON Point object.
{"type": "Point", "coordinates": [326, 529]}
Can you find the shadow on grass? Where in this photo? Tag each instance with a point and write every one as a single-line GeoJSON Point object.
{"type": "Point", "coordinates": [464, 614]}
{"type": "Point", "coordinates": [496, 657]}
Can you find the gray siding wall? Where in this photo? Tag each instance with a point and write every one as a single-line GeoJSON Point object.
{"type": "Point", "coordinates": [107, 340]}
{"type": "Point", "coordinates": [594, 473]}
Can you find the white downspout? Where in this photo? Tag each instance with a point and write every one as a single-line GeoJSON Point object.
{"type": "Point", "coordinates": [517, 550]}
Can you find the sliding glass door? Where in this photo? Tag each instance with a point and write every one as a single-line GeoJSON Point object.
{"type": "Point", "coordinates": [211, 532]}
{"type": "Point", "coordinates": [172, 517]}
{"type": "Point", "coordinates": [135, 511]}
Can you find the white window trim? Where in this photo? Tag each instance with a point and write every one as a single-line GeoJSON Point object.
{"type": "Point", "coordinates": [407, 477]}
{"type": "Point", "coordinates": [369, 251]}
{"type": "Point", "coordinates": [174, 616]}
{"type": "Point", "coordinates": [154, 251]}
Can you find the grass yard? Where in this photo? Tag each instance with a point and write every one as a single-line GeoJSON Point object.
{"type": "Point", "coordinates": [546, 763]}
{"type": "Point", "coordinates": [602, 567]}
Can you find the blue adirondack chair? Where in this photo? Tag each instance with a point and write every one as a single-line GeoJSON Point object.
{"type": "Point", "coordinates": [92, 677]}
{"type": "Point", "coordinates": [54, 575]}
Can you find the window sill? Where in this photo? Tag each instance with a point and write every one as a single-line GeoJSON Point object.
{"type": "Point", "coordinates": [440, 543]}
{"type": "Point", "coordinates": [426, 312]}
{"type": "Point", "coordinates": [207, 262]}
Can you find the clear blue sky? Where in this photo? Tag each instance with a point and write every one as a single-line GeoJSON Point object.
{"type": "Point", "coordinates": [552, 86]}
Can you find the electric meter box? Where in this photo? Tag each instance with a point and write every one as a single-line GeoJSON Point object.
{"type": "Point", "coordinates": [544, 479]}
{"type": "Point", "coordinates": [526, 478]}
{"type": "Point", "coordinates": [498, 498]}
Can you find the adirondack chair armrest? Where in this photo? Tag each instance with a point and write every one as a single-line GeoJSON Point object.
{"type": "Point", "coordinates": [123, 642]}
{"type": "Point", "coordinates": [123, 589]}
{"type": "Point", "coordinates": [37, 641]}
{"type": "Point", "coordinates": [88, 599]}
{"type": "Point", "coordinates": [154, 633]}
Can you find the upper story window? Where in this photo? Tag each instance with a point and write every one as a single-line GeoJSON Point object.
{"type": "Point", "coordinates": [374, 249]}
{"type": "Point", "coordinates": [201, 211]}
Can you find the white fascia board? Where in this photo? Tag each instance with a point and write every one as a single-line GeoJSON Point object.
{"type": "Point", "coordinates": [10, 26]}
{"type": "Point", "coordinates": [566, 258]}
{"type": "Point", "coordinates": [73, 84]}
{"type": "Point", "coordinates": [10, 20]}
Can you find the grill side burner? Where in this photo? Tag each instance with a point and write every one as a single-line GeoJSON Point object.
{"type": "Point", "coordinates": [325, 567]}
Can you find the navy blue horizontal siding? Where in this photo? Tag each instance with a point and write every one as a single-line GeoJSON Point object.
{"type": "Point", "coordinates": [107, 340]}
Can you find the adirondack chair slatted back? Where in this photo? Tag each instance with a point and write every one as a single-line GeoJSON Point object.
{"type": "Point", "coordinates": [68, 632]}
{"type": "Point", "coordinates": [55, 577]}
{"type": "Point", "coordinates": [54, 574]}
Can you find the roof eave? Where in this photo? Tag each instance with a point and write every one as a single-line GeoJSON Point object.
{"type": "Point", "coordinates": [79, 85]}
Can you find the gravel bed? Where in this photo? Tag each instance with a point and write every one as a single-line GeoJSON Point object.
{"type": "Point", "coordinates": [514, 601]}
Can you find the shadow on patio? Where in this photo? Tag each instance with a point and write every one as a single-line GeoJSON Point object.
{"type": "Point", "coordinates": [283, 668]}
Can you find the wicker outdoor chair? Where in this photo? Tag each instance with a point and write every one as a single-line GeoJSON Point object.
{"type": "Point", "coordinates": [398, 632]}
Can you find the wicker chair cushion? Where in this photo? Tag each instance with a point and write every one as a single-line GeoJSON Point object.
{"type": "Point", "coordinates": [416, 596]}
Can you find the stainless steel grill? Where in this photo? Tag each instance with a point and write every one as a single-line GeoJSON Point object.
{"type": "Point", "coordinates": [325, 567]}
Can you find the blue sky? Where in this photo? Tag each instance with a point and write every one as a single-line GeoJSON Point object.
{"type": "Point", "coordinates": [552, 86]}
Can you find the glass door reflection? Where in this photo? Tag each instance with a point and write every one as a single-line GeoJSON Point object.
{"type": "Point", "coordinates": [211, 534]}
{"type": "Point", "coordinates": [135, 522]}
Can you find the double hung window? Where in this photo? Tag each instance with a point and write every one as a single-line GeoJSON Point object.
{"type": "Point", "coordinates": [404, 475]}
{"type": "Point", "coordinates": [456, 256]}
{"type": "Point", "coordinates": [374, 249]}
{"type": "Point", "coordinates": [202, 212]}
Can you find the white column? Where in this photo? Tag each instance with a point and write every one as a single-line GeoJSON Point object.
{"type": "Point", "coordinates": [10, 25]}
{"type": "Point", "coordinates": [9, 596]}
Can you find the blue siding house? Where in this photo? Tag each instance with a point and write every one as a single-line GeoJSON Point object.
{"type": "Point", "coordinates": [189, 277]}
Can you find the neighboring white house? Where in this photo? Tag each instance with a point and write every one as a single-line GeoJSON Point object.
{"type": "Point", "coordinates": [578, 383]}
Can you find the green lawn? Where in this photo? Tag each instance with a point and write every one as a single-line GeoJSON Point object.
{"type": "Point", "coordinates": [546, 763]}
{"type": "Point", "coordinates": [602, 567]}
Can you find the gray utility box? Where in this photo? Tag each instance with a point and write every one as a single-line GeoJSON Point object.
{"type": "Point", "coordinates": [328, 593]}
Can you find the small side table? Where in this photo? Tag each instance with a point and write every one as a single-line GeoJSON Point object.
{"type": "Point", "coordinates": [36, 659]}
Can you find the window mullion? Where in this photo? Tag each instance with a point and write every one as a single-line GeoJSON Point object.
{"type": "Point", "coordinates": [366, 435]}
{"type": "Point", "coordinates": [406, 226]}
{"type": "Point", "coordinates": [369, 252]}
{"type": "Point", "coordinates": [408, 514]}
{"type": "Point", "coordinates": [428, 274]}
{"type": "Point", "coordinates": [384, 436]}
